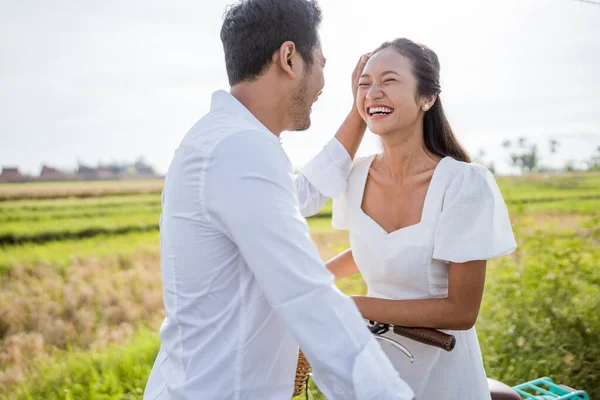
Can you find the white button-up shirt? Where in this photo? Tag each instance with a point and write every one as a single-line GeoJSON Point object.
{"type": "Point", "coordinates": [243, 281]}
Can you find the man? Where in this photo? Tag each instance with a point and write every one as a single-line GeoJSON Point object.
{"type": "Point", "coordinates": [243, 282]}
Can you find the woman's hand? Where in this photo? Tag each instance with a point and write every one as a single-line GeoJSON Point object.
{"type": "Point", "coordinates": [356, 76]}
{"type": "Point", "coordinates": [353, 128]}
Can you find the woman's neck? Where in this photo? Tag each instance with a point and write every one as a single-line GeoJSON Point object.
{"type": "Point", "coordinates": [405, 154]}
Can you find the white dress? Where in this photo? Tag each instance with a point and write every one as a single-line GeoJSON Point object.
{"type": "Point", "coordinates": [464, 218]}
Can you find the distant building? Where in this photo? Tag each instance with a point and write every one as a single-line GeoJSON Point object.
{"type": "Point", "coordinates": [114, 171]}
{"type": "Point", "coordinates": [11, 174]}
{"type": "Point", "coordinates": [145, 171]}
{"type": "Point", "coordinates": [105, 173]}
{"type": "Point", "coordinates": [86, 173]}
{"type": "Point", "coordinates": [51, 174]}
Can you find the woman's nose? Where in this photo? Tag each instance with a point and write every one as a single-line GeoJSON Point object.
{"type": "Point", "coordinates": [374, 92]}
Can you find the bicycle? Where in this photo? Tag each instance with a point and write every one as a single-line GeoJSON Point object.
{"type": "Point", "coordinates": [538, 389]}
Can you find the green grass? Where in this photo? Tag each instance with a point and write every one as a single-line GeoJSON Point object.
{"type": "Point", "coordinates": [26, 216]}
{"type": "Point", "coordinates": [57, 190]}
{"type": "Point", "coordinates": [8, 207]}
{"type": "Point", "coordinates": [118, 372]}
{"type": "Point", "coordinates": [539, 314]}
{"type": "Point", "coordinates": [567, 206]}
{"type": "Point", "coordinates": [549, 183]}
{"type": "Point", "coordinates": [45, 220]}
{"type": "Point", "coordinates": [49, 230]}
{"type": "Point", "coordinates": [62, 253]}
{"type": "Point", "coordinates": [538, 317]}
{"type": "Point", "coordinates": [319, 225]}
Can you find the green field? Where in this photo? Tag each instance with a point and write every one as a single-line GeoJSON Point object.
{"type": "Point", "coordinates": [81, 301]}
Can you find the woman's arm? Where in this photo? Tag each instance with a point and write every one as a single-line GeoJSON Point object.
{"type": "Point", "coordinates": [342, 265]}
{"type": "Point", "coordinates": [458, 311]}
{"type": "Point", "coordinates": [351, 132]}
{"type": "Point", "coordinates": [325, 175]}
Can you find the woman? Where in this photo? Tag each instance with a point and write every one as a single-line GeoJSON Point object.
{"type": "Point", "coordinates": [423, 221]}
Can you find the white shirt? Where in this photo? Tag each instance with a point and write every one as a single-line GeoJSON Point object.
{"type": "Point", "coordinates": [464, 218]}
{"type": "Point", "coordinates": [243, 281]}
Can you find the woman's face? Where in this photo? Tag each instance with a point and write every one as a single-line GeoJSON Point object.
{"type": "Point", "coordinates": [387, 93]}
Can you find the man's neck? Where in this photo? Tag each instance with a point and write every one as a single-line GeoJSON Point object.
{"type": "Point", "coordinates": [263, 102]}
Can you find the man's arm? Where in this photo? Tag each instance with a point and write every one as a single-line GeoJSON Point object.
{"type": "Point", "coordinates": [253, 200]}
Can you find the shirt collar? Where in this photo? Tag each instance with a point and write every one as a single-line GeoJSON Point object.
{"type": "Point", "coordinates": [225, 102]}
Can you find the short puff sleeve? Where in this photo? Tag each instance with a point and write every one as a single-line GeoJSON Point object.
{"type": "Point", "coordinates": [474, 222]}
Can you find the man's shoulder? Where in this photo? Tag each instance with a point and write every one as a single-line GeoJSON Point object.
{"type": "Point", "coordinates": [216, 130]}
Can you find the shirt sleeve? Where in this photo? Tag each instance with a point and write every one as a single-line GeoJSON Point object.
{"type": "Point", "coordinates": [322, 177]}
{"type": "Point", "coordinates": [474, 222]}
{"type": "Point", "coordinates": [253, 200]}
{"type": "Point", "coordinates": [339, 217]}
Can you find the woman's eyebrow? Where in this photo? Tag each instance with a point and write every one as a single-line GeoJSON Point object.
{"type": "Point", "coordinates": [382, 74]}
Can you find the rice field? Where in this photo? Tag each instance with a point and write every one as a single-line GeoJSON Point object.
{"type": "Point", "coordinates": [81, 302]}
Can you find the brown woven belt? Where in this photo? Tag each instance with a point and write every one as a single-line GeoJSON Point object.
{"type": "Point", "coordinates": [428, 336]}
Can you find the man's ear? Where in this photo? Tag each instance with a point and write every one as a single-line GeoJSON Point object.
{"type": "Point", "coordinates": [286, 58]}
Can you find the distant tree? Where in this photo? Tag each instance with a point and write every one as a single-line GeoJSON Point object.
{"type": "Point", "coordinates": [525, 156]}
{"type": "Point", "coordinates": [570, 166]}
{"type": "Point", "coordinates": [480, 159]}
{"type": "Point", "coordinates": [140, 163]}
{"type": "Point", "coordinates": [593, 164]}
{"type": "Point", "coordinates": [553, 145]}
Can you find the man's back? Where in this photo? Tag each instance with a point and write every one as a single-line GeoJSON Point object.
{"type": "Point", "coordinates": [220, 336]}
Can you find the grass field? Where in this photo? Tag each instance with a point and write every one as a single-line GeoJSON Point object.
{"type": "Point", "coordinates": [81, 302]}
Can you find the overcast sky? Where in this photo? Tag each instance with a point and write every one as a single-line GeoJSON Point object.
{"type": "Point", "coordinates": [116, 79]}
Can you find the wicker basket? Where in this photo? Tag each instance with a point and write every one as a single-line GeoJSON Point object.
{"type": "Point", "coordinates": [302, 371]}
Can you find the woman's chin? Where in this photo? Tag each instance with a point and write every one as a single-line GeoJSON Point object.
{"type": "Point", "coordinates": [377, 129]}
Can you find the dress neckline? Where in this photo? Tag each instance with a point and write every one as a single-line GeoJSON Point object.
{"type": "Point", "coordinates": [426, 202]}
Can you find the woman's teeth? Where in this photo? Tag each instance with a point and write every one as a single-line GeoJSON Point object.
{"type": "Point", "coordinates": [380, 110]}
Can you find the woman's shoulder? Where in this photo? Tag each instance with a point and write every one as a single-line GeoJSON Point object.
{"type": "Point", "coordinates": [469, 180]}
{"type": "Point", "coordinates": [467, 168]}
{"type": "Point", "coordinates": [469, 172]}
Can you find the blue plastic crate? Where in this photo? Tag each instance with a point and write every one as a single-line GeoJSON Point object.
{"type": "Point", "coordinates": [545, 389]}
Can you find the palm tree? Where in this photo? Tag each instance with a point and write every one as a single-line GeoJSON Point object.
{"type": "Point", "coordinates": [553, 146]}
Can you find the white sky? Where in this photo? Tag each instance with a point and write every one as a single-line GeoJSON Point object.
{"type": "Point", "coordinates": [112, 80]}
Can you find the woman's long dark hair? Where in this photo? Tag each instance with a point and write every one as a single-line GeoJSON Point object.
{"type": "Point", "coordinates": [437, 133]}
